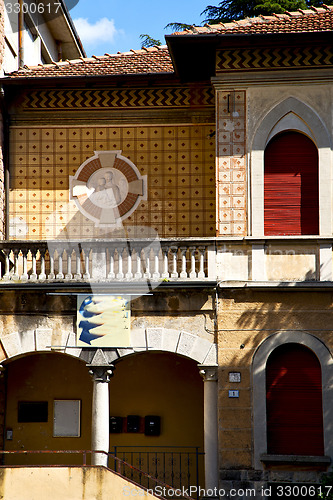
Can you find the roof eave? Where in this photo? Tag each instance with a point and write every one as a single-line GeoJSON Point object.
{"type": "Point", "coordinates": [193, 55]}
{"type": "Point", "coordinates": [35, 80]}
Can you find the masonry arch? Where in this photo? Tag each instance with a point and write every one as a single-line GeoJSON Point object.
{"type": "Point", "coordinates": [35, 384]}
{"type": "Point", "coordinates": [291, 115]}
{"type": "Point", "coordinates": [187, 344]}
{"type": "Point", "coordinates": [259, 387]}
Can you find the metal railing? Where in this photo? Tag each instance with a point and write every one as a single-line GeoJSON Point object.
{"type": "Point", "coordinates": [178, 466]}
{"type": "Point", "coordinates": [139, 477]}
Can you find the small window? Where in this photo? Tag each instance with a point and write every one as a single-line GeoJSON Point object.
{"type": "Point", "coordinates": [66, 418]}
{"type": "Point", "coordinates": [32, 411]}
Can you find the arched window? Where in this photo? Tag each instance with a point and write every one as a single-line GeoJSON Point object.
{"type": "Point", "coordinates": [294, 402]}
{"type": "Point", "coordinates": [291, 194]}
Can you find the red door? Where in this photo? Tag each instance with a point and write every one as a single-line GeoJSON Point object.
{"type": "Point", "coordinates": [291, 201]}
{"type": "Point", "coordinates": [294, 402]}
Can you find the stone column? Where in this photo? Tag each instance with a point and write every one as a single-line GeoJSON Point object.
{"type": "Point", "coordinates": [101, 371]}
{"type": "Point", "coordinates": [209, 375]}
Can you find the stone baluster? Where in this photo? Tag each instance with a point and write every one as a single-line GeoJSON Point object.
{"type": "Point", "coordinates": [165, 253]}
{"type": "Point", "coordinates": [129, 274]}
{"type": "Point", "coordinates": [111, 274]}
{"type": "Point", "coordinates": [78, 274]}
{"type": "Point", "coordinates": [15, 276]}
{"type": "Point", "coordinates": [201, 273]}
{"type": "Point", "coordinates": [68, 275]}
{"type": "Point", "coordinates": [183, 273]}
{"type": "Point", "coordinates": [6, 276]}
{"type": "Point", "coordinates": [33, 275]}
{"type": "Point", "coordinates": [156, 273]}
{"type": "Point", "coordinates": [120, 274]}
{"type": "Point", "coordinates": [138, 273]}
{"type": "Point", "coordinates": [86, 274]}
{"type": "Point", "coordinates": [51, 275]}
{"type": "Point", "coordinates": [60, 274]}
{"type": "Point", "coordinates": [25, 275]}
{"type": "Point", "coordinates": [174, 273]}
{"type": "Point", "coordinates": [42, 274]}
{"type": "Point", "coordinates": [146, 252]}
{"type": "Point", "coordinates": [193, 274]}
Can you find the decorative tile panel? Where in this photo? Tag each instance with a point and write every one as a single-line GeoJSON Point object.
{"type": "Point", "coordinates": [231, 167]}
{"type": "Point", "coordinates": [276, 58]}
{"type": "Point", "coordinates": [178, 161]}
{"type": "Point", "coordinates": [118, 98]}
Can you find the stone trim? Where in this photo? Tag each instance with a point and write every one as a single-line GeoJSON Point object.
{"type": "Point", "coordinates": [259, 388]}
{"type": "Point", "coordinates": [164, 339]}
{"type": "Point", "coordinates": [294, 459]}
{"type": "Point", "coordinates": [288, 115]}
{"type": "Point", "coordinates": [153, 339]}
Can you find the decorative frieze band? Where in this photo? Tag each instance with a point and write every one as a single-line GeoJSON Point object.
{"type": "Point", "coordinates": [269, 58]}
{"type": "Point", "coordinates": [119, 98]}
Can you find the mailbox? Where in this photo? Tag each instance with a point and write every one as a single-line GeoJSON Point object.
{"type": "Point", "coordinates": [152, 425]}
{"type": "Point", "coordinates": [133, 423]}
{"type": "Point", "coordinates": [116, 425]}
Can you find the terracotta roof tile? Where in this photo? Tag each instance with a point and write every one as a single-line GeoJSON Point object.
{"type": "Point", "coordinates": [152, 60]}
{"type": "Point", "coordinates": [143, 61]}
{"type": "Point", "coordinates": [310, 20]}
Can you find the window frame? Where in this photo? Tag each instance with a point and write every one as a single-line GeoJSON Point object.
{"type": "Point", "coordinates": [259, 388]}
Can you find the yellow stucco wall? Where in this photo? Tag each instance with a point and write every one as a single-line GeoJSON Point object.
{"type": "Point", "coordinates": [46, 377]}
{"type": "Point", "coordinates": [179, 161]}
{"type": "Point", "coordinates": [74, 483]}
{"type": "Point", "coordinates": [161, 384]}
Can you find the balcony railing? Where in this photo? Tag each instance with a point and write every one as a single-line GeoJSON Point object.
{"type": "Point", "coordinates": [269, 259]}
{"type": "Point", "coordinates": [104, 260]}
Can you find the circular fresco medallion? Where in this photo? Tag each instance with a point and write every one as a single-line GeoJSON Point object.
{"type": "Point", "coordinates": [107, 188]}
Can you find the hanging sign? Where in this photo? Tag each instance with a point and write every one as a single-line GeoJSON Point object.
{"type": "Point", "coordinates": [103, 320]}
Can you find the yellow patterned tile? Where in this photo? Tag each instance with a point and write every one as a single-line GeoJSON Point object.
{"type": "Point", "coordinates": [184, 217]}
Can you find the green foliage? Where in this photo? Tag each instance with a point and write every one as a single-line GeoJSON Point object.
{"type": "Point", "coordinates": [148, 41]}
{"type": "Point", "coordinates": [229, 10]}
{"type": "Point", "coordinates": [326, 487]}
{"type": "Point", "coordinates": [177, 26]}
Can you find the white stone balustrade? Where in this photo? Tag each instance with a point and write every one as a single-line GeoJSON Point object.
{"type": "Point", "coordinates": [104, 260]}
{"type": "Point", "coordinates": [268, 259]}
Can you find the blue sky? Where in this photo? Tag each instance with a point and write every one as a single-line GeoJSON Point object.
{"type": "Point", "coordinates": [115, 25]}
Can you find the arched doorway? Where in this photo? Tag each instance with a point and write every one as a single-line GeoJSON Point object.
{"type": "Point", "coordinates": [48, 407]}
{"type": "Point", "coordinates": [168, 387]}
{"type": "Point", "coordinates": [294, 402]}
{"type": "Point", "coordinates": [291, 193]}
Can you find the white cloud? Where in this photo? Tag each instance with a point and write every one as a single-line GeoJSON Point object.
{"type": "Point", "coordinates": [101, 31]}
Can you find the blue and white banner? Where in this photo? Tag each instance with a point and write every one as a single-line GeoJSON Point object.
{"type": "Point", "coordinates": [103, 320]}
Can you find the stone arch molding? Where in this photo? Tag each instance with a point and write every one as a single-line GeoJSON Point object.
{"type": "Point", "coordinates": [259, 387]}
{"type": "Point", "coordinates": [291, 114]}
{"type": "Point", "coordinates": [150, 339]}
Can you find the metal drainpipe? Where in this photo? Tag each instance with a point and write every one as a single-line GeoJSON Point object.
{"type": "Point", "coordinates": [20, 35]}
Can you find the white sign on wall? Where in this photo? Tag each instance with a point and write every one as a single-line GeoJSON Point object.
{"type": "Point", "coordinates": [103, 320]}
{"type": "Point", "coordinates": [66, 418]}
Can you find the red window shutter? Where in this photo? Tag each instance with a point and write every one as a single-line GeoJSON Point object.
{"type": "Point", "coordinates": [294, 402]}
{"type": "Point", "coordinates": [291, 201]}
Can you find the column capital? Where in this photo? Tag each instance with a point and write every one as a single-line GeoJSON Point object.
{"type": "Point", "coordinates": [208, 373]}
{"type": "Point", "coordinates": [99, 367]}
{"type": "Point", "coordinates": [101, 374]}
